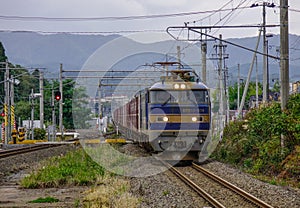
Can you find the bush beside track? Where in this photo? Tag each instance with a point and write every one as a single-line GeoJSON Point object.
{"type": "Point", "coordinates": [254, 144]}
{"type": "Point", "coordinates": [76, 168]}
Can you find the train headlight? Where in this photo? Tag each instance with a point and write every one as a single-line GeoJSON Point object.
{"type": "Point", "coordinates": [165, 119]}
{"type": "Point", "coordinates": [194, 119]}
{"type": "Point", "coordinates": [176, 86]}
{"type": "Point", "coordinates": [182, 86]}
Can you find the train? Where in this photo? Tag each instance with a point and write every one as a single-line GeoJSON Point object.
{"type": "Point", "coordinates": [171, 118]}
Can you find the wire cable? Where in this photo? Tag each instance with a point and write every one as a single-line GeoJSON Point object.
{"type": "Point", "coordinates": [108, 18]}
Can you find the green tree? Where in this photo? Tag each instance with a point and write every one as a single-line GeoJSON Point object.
{"type": "Point", "coordinates": [233, 93]}
{"type": "Point", "coordinates": [22, 91]}
{"type": "Point", "coordinates": [30, 81]}
{"type": "Point", "coordinates": [276, 87]}
{"type": "Point", "coordinates": [79, 106]}
{"type": "Point", "coordinates": [70, 94]}
{"type": "Point", "coordinates": [3, 57]}
{"type": "Point", "coordinates": [75, 111]}
{"type": "Point", "coordinates": [22, 110]}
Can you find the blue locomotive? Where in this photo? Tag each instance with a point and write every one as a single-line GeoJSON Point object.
{"type": "Point", "coordinates": [172, 117]}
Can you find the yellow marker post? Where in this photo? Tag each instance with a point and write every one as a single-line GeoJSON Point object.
{"type": "Point", "coordinates": [14, 135]}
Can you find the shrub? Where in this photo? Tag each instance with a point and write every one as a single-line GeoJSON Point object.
{"type": "Point", "coordinates": [255, 143]}
{"type": "Point", "coordinates": [39, 134]}
{"type": "Point", "coordinates": [75, 168]}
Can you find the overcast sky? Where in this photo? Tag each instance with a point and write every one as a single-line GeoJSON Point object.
{"type": "Point", "coordinates": [124, 8]}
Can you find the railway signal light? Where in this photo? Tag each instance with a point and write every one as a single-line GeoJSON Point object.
{"type": "Point", "coordinates": [57, 95]}
{"type": "Point", "coordinates": [2, 114]}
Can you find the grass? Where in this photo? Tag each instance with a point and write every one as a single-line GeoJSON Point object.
{"type": "Point", "coordinates": [111, 158]}
{"type": "Point", "coordinates": [166, 192]}
{"type": "Point", "coordinates": [77, 203]}
{"type": "Point", "coordinates": [75, 168]}
{"type": "Point", "coordinates": [112, 192]}
{"type": "Point", "coordinates": [47, 199]}
{"type": "Point", "coordinates": [273, 180]}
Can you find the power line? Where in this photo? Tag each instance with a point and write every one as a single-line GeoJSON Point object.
{"type": "Point", "coordinates": [86, 32]}
{"type": "Point", "coordinates": [200, 20]}
{"type": "Point", "coordinates": [229, 14]}
{"type": "Point", "coordinates": [294, 10]}
{"type": "Point", "coordinates": [108, 18]}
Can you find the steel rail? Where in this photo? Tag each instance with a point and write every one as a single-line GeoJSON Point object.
{"type": "Point", "coordinates": [112, 77]}
{"type": "Point", "coordinates": [232, 187]}
{"type": "Point", "coordinates": [195, 187]}
{"type": "Point", "coordinates": [21, 150]}
{"type": "Point", "coordinates": [113, 71]}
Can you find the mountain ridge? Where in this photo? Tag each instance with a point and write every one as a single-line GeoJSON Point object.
{"type": "Point", "coordinates": [35, 50]}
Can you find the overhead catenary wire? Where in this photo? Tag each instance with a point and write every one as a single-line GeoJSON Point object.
{"type": "Point", "coordinates": [87, 32]}
{"type": "Point", "coordinates": [108, 18]}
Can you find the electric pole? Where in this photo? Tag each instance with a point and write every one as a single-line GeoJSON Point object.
{"type": "Point", "coordinates": [256, 83]}
{"type": "Point", "coordinates": [284, 52]}
{"type": "Point", "coordinates": [249, 76]}
{"type": "Point", "coordinates": [53, 116]}
{"type": "Point", "coordinates": [61, 101]}
{"type": "Point", "coordinates": [221, 85]}
{"type": "Point", "coordinates": [223, 75]}
{"type": "Point", "coordinates": [265, 72]}
{"type": "Point", "coordinates": [204, 52]}
{"type": "Point", "coordinates": [238, 87]}
{"type": "Point", "coordinates": [7, 104]}
{"type": "Point", "coordinates": [12, 103]}
{"type": "Point", "coordinates": [41, 100]}
{"type": "Point", "coordinates": [99, 97]}
{"type": "Point", "coordinates": [32, 114]}
{"type": "Point", "coordinates": [265, 56]}
{"type": "Point", "coordinates": [284, 58]}
{"type": "Point", "coordinates": [223, 67]}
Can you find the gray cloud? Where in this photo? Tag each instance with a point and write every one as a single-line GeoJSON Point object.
{"type": "Point", "coordinates": [104, 8]}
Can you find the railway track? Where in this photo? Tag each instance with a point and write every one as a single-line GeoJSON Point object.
{"type": "Point", "coordinates": [21, 150]}
{"type": "Point", "coordinates": [249, 197]}
{"type": "Point", "coordinates": [218, 192]}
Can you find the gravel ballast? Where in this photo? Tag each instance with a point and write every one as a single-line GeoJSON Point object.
{"type": "Point", "coordinates": [165, 190]}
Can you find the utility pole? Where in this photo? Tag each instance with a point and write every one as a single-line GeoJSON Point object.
{"type": "Point", "coordinates": [256, 83]}
{"type": "Point", "coordinates": [53, 116]}
{"type": "Point", "coordinates": [222, 74]}
{"type": "Point", "coordinates": [32, 114]}
{"type": "Point", "coordinates": [221, 84]}
{"type": "Point", "coordinates": [41, 100]}
{"type": "Point", "coordinates": [7, 104]}
{"type": "Point", "coordinates": [61, 102]}
{"type": "Point", "coordinates": [99, 97]}
{"type": "Point", "coordinates": [284, 52]}
{"type": "Point", "coordinates": [238, 87]}
{"type": "Point", "coordinates": [248, 77]}
{"type": "Point", "coordinates": [204, 52]}
{"type": "Point", "coordinates": [222, 58]}
{"type": "Point", "coordinates": [265, 72]}
{"type": "Point", "coordinates": [12, 104]}
{"type": "Point", "coordinates": [284, 58]}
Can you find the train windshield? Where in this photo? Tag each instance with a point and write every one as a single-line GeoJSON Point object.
{"type": "Point", "coordinates": [181, 97]}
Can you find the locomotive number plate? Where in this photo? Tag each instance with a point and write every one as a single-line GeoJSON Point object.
{"type": "Point", "coordinates": [180, 144]}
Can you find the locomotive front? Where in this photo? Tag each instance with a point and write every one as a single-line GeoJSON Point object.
{"type": "Point", "coordinates": [179, 116]}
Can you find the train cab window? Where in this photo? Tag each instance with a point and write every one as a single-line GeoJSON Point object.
{"type": "Point", "coordinates": [160, 96]}
{"type": "Point", "coordinates": [183, 96]}
{"type": "Point", "coordinates": [195, 96]}
{"type": "Point", "coordinates": [201, 96]}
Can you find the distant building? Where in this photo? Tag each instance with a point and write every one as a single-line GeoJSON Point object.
{"type": "Point", "coordinates": [296, 87]}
